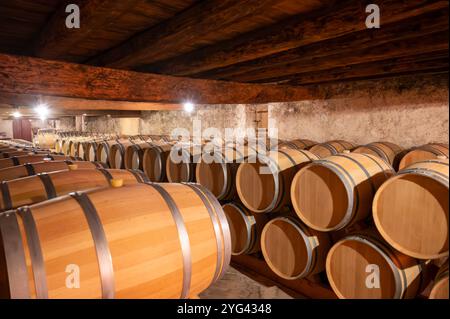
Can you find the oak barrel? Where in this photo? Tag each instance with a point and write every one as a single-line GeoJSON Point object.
{"type": "Point", "coordinates": [136, 241]}
{"type": "Point", "coordinates": [154, 162]}
{"type": "Point", "coordinates": [245, 228]}
{"type": "Point", "coordinates": [440, 285]}
{"type": "Point", "coordinates": [298, 144]}
{"type": "Point", "coordinates": [330, 148]}
{"type": "Point", "coordinates": [181, 163]}
{"type": "Point", "coordinates": [20, 160]}
{"type": "Point", "coordinates": [116, 156]}
{"type": "Point", "coordinates": [337, 191]}
{"type": "Point", "coordinates": [293, 250]}
{"type": "Point", "coordinates": [217, 169]}
{"type": "Point", "coordinates": [423, 153]}
{"type": "Point", "coordinates": [134, 154]}
{"type": "Point", "coordinates": [363, 266]}
{"type": "Point", "coordinates": [410, 210]}
{"type": "Point", "coordinates": [30, 169]}
{"type": "Point", "coordinates": [43, 186]}
{"type": "Point", "coordinates": [390, 152]}
{"type": "Point", "coordinates": [263, 183]}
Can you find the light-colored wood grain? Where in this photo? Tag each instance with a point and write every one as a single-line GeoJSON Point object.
{"type": "Point", "coordinates": [142, 238]}
{"type": "Point", "coordinates": [31, 190]}
{"type": "Point", "coordinates": [330, 148]}
{"type": "Point", "coordinates": [337, 192]}
{"type": "Point", "coordinates": [387, 151]}
{"type": "Point", "coordinates": [8, 162]}
{"type": "Point", "coordinates": [441, 284]}
{"type": "Point", "coordinates": [293, 250]}
{"type": "Point", "coordinates": [245, 228]}
{"type": "Point", "coordinates": [154, 162]}
{"type": "Point", "coordinates": [423, 153]}
{"type": "Point", "coordinates": [256, 182]}
{"type": "Point", "coordinates": [411, 210]}
{"type": "Point", "coordinates": [299, 144]}
{"type": "Point", "coordinates": [11, 173]}
{"type": "Point", "coordinates": [350, 263]}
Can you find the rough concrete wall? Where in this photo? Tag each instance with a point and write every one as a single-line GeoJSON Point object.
{"type": "Point", "coordinates": [65, 123]}
{"type": "Point", "coordinates": [102, 124]}
{"type": "Point", "coordinates": [406, 111]}
{"type": "Point", "coordinates": [211, 116]}
{"type": "Point", "coordinates": [105, 124]}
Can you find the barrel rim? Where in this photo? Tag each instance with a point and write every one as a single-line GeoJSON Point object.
{"type": "Point", "coordinates": [350, 212]}
{"type": "Point", "coordinates": [378, 223]}
{"type": "Point", "coordinates": [277, 180]}
{"type": "Point", "coordinates": [248, 225]}
{"type": "Point", "coordinates": [400, 289]}
{"type": "Point", "coordinates": [310, 250]}
{"type": "Point", "coordinates": [218, 158]}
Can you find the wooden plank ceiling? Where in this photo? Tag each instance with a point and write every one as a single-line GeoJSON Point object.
{"type": "Point", "coordinates": [289, 42]}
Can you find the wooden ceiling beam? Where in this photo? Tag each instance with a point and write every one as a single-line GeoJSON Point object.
{"type": "Point", "coordinates": [33, 76]}
{"type": "Point", "coordinates": [6, 111]}
{"type": "Point", "coordinates": [56, 39]}
{"type": "Point", "coordinates": [295, 32]}
{"type": "Point", "coordinates": [425, 44]}
{"type": "Point", "coordinates": [79, 104]}
{"type": "Point", "coordinates": [407, 29]}
{"type": "Point", "coordinates": [187, 28]}
{"type": "Point", "coordinates": [390, 68]}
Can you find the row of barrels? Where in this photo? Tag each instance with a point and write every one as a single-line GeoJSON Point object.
{"type": "Point", "coordinates": [365, 174]}
{"type": "Point", "coordinates": [344, 214]}
{"type": "Point", "coordinates": [359, 264]}
{"type": "Point", "coordinates": [109, 233]}
{"type": "Point", "coordinates": [399, 242]}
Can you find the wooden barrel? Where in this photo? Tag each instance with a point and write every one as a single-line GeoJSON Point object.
{"type": "Point", "coordinates": [58, 145]}
{"type": "Point", "coordinates": [20, 160]}
{"type": "Point", "coordinates": [23, 153]}
{"type": "Point", "coordinates": [262, 145]}
{"type": "Point", "coordinates": [71, 149]}
{"type": "Point", "coordinates": [298, 144]}
{"type": "Point", "coordinates": [423, 153]}
{"type": "Point", "coordinates": [331, 148]}
{"type": "Point", "coordinates": [293, 250]}
{"type": "Point", "coordinates": [410, 210]}
{"type": "Point", "coordinates": [390, 152]}
{"type": "Point", "coordinates": [7, 149]}
{"type": "Point", "coordinates": [65, 146]}
{"type": "Point", "coordinates": [116, 155]}
{"type": "Point", "coordinates": [363, 266]}
{"type": "Point", "coordinates": [245, 228]}
{"type": "Point", "coordinates": [91, 150]}
{"type": "Point", "coordinates": [440, 286]}
{"type": "Point", "coordinates": [40, 187]}
{"type": "Point", "coordinates": [336, 192]}
{"type": "Point", "coordinates": [263, 184]}
{"type": "Point", "coordinates": [218, 167]}
{"type": "Point", "coordinates": [154, 162]}
{"type": "Point", "coordinates": [134, 154]}
{"type": "Point", "coordinates": [31, 169]}
{"type": "Point", "coordinates": [181, 163]}
{"type": "Point", "coordinates": [103, 150]}
{"type": "Point", "coordinates": [137, 241]}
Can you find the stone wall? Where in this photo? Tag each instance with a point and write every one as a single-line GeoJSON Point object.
{"type": "Point", "coordinates": [406, 111]}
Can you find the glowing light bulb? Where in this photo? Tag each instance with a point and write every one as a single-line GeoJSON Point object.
{"type": "Point", "coordinates": [189, 107]}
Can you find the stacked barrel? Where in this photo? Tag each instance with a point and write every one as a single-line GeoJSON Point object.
{"type": "Point", "coordinates": [66, 223]}
{"type": "Point", "coordinates": [373, 218]}
{"type": "Point", "coordinates": [153, 217]}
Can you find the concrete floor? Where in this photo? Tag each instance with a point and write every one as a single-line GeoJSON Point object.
{"type": "Point", "coordinates": [235, 285]}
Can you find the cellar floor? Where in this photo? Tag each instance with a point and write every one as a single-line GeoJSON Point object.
{"type": "Point", "coordinates": [235, 285]}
